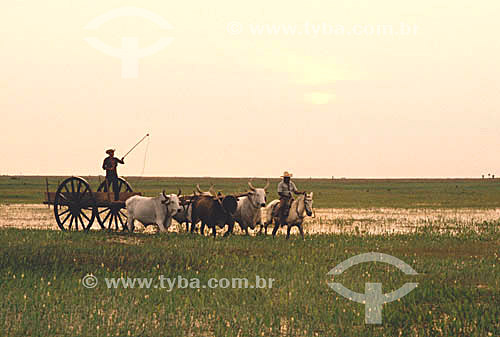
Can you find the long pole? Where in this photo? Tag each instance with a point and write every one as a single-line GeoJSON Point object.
{"type": "Point", "coordinates": [147, 135]}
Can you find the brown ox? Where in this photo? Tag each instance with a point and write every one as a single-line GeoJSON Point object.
{"type": "Point", "coordinates": [213, 211]}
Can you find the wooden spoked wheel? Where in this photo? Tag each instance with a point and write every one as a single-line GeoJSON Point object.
{"type": "Point", "coordinates": [74, 205]}
{"type": "Point", "coordinates": [113, 216]}
{"type": "Point", "coordinates": [123, 186]}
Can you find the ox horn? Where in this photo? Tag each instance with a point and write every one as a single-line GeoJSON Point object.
{"type": "Point", "coordinates": [164, 195]}
{"type": "Point", "coordinates": [179, 193]}
{"type": "Point", "coordinates": [250, 185]}
{"type": "Point", "coordinates": [267, 184]}
{"type": "Point", "coordinates": [198, 189]}
{"type": "Point", "coordinates": [219, 197]}
{"type": "Point", "coordinates": [211, 190]}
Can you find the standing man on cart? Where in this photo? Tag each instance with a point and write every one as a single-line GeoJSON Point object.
{"type": "Point", "coordinates": [110, 163]}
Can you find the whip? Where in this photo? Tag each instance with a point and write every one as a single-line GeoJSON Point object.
{"type": "Point", "coordinates": [133, 147]}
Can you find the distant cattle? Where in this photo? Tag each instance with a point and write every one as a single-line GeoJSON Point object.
{"type": "Point", "coordinates": [158, 210]}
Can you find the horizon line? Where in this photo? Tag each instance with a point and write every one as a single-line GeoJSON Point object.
{"type": "Point", "coordinates": [258, 177]}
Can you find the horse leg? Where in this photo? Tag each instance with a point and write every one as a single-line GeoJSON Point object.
{"type": "Point", "coordinates": [301, 231]}
{"type": "Point", "coordinates": [275, 229]}
{"type": "Point", "coordinates": [260, 230]}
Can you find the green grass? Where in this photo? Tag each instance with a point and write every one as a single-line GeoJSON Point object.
{"type": "Point", "coordinates": [40, 272]}
{"type": "Point", "coordinates": [342, 193]}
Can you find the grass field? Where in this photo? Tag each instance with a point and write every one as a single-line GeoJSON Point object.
{"type": "Point", "coordinates": [42, 293]}
{"type": "Point", "coordinates": [452, 242]}
{"type": "Point", "coordinates": [339, 193]}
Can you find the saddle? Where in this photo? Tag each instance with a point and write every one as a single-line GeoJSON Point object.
{"type": "Point", "coordinates": [276, 211]}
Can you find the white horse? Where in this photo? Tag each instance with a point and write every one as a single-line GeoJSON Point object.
{"type": "Point", "coordinates": [303, 204]}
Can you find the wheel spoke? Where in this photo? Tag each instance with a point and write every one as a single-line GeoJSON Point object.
{"type": "Point", "coordinates": [71, 222]}
{"type": "Point", "coordinates": [123, 221]}
{"type": "Point", "coordinates": [110, 223]}
{"type": "Point", "coordinates": [85, 216]}
{"type": "Point", "coordinates": [104, 210]}
{"type": "Point", "coordinates": [106, 217]}
{"type": "Point", "coordinates": [76, 223]}
{"type": "Point", "coordinates": [66, 218]}
{"type": "Point", "coordinates": [124, 215]}
{"type": "Point", "coordinates": [81, 220]}
{"type": "Point", "coordinates": [85, 190]}
{"type": "Point", "coordinates": [116, 221]}
{"type": "Point", "coordinates": [62, 213]}
{"type": "Point", "coordinates": [79, 186]}
{"type": "Point", "coordinates": [120, 218]}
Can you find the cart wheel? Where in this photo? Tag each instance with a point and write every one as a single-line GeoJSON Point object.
{"type": "Point", "coordinates": [123, 186]}
{"type": "Point", "coordinates": [74, 205]}
{"type": "Point", "coordinates": [113, 215]}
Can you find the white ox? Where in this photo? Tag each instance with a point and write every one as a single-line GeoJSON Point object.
{"type": "Point", "coordinates": [147, 210]}
{"type": "Point", "coordinates": [248, 213]}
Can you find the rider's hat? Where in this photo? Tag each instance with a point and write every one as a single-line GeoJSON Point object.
{"type": "Point", "coordinates": [287, 174]}
{"type": "Point", "coordinates": [110, 151]}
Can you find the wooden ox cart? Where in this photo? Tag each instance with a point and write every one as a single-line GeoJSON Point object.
{"type": "Point", "coordinates": [76, 206]}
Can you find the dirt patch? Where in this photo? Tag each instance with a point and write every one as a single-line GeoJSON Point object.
{"type": "Point", "coordinates": [32, 216]}
{"type": "Point", "coordinates": [126, 240]}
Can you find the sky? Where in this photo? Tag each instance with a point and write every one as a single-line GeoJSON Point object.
{"type": "Point", "coordinates": [227, 88]}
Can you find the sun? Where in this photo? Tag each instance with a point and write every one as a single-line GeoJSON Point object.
{"type": "Point", "coordinates": [318, 98]}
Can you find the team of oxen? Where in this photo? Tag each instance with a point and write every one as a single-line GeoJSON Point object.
{"type": "Point", "coordinates": [214, 209]}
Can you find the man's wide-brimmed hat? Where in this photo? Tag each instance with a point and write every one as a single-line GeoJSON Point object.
{"type": "Point", "coordinates": [109, 151]}
{"type": "Point", "coordinates": [287, 174]}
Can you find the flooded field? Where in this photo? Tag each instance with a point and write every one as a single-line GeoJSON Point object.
{"type": "Point", "coordinates": [396, 220]}
{"type": "Point", "coordinates": [326, 220]}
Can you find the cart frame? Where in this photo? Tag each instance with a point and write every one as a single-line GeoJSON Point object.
{"type": "Point", "coordinates": [76, 206]}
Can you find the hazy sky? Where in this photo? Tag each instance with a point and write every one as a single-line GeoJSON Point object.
{"type": "Point", "coordinates": [223, 99]}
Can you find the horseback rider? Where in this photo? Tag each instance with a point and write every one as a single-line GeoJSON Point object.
{"type": "Point", "coordinates": [110, 163]}
{"type": "Point", "coordinates": [285, 189]}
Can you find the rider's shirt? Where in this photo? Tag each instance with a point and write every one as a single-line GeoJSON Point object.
{"type": "Point", "coordinates": [110, 164]}
{"type": "Point", "coordinates": [287, 189]}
